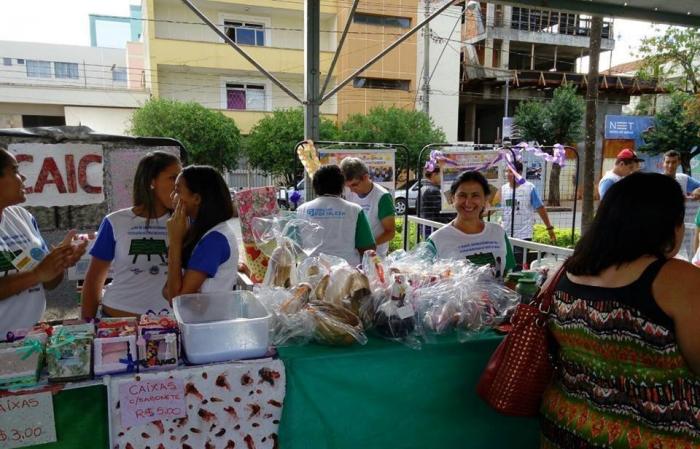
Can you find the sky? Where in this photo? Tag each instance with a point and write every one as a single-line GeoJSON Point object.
{"type": "Point", "coordinates": [66, 22]}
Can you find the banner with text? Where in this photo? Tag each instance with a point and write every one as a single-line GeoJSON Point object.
{"type": "Point", "coordinates": [487, 162]}
{"type": "Point", "coordinates": [26, 420]}
{"type": "Point", "coordinates": [61, 174]}
{"type": "Point", "coordinates": [381, 163]}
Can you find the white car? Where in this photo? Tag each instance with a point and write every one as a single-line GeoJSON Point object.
{"type": "Point", "coordinates": [400, 202]}
{"type": "Point", "coordinates": [283, 195]}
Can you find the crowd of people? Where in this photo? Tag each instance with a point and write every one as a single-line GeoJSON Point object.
{"type": "Point", "coordinates": [624, 315]}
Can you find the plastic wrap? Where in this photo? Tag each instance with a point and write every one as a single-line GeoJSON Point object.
{"type": "Point", "coordinates": [291, 323]}
{"type": "Point", "coordinates": [373, 267]}
{"type": "Point", "coordinates": [336, 326]}
{"type": "Point", "coordinates": [394, 316]}
{"type": "Point", "coordinates": [286, 240]}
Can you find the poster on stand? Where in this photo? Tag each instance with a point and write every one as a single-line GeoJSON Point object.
{"type": "Point", "coordinates": [381, 163]}
{"type": "Point", "coordinates": [487, 162]}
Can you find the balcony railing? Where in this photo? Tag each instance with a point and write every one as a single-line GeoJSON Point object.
{"type": "Point", "coordinates": [548, 21]}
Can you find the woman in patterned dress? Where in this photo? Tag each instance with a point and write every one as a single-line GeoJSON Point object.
{"type": "Point", "coordinates": [625, 318]}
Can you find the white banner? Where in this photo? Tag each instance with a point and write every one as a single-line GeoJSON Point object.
{"type": "Point", "coordinates": [61, 174]}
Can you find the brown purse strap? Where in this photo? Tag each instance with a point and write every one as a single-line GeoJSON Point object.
{"type": "Point", "coordinates": [544, 299]}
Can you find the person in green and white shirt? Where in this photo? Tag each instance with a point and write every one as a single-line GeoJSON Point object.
{"type": "Point", "coordinates": [346, 231]}
{"type": "Point", "coordinates": [468, 236]}
{"type": "Point", "coordinates": [374, 199]}
{"type": "Point", "coordinates": [696, 258]}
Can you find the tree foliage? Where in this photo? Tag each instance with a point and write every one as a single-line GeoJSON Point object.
{"type": "Point", "coordinates": [673, 58]}
{"type": "Point", "coordinates": [415, 129]}
{"type": "Point", "coordinates": [675, 128]}
{"type": "Point", "coordinates": [559, 120]}
{"type": "Point", "coordinates": [270, 145]}
{"type": "Point", "coordinates": [210, 137]}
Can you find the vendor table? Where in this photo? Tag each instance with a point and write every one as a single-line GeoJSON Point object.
{"type": "Point", "coordinates": [385, 395]}
{"type": "Point", "coordinates": [381, 395]}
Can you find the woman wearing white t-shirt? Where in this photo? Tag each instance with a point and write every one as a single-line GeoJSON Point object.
{"type": "Point", "coordinates": [27, 266]}
{"type": "Point", "coordinates": [468, 236]}
{"type": "Point", "coordinates": [133, 242]}
{"type": "Point", "coordinates": [203, 253]}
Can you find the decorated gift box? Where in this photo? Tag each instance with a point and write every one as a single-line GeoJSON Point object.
{"type": "Point", "coordinates": [69, 353]}
{"type": "Point", "coordinates": [158, 342]}
{"type": "Point", "coordinates": [22, 360]}
{"type": "Point", "coordinates": [253, 203]}
{"type": "Point", "coordinates": [115, 346]}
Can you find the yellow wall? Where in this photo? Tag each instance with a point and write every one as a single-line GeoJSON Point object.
{"type": "Point", "coordinates": [363, 44]}
{"type": "Point", "coordinates": [245, 120]}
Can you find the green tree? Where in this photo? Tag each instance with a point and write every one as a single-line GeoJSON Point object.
{"type": "Point", "coordinates": [414, 129]}
{"type": "Point", "coordinates": [673, 58]}
{"type": "Point", "coordinates": [675, 129]}
{"type": "Point", "coordinates": [210, 137]}
{"type": "Point", "coordinates": [556, 121]}
{"type": "Point", "coordinates": [270, 145]}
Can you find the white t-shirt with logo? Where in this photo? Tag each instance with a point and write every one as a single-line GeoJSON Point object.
{"type": "Point", "coordinates": [527, 201]}
{"type": "Point", "coordinates": [216, 254]}
{"type": "Point", "coordinates": [489, 247]}
{"type": "Point", "coordinates": [342, 227]}
{"type": "Point", "coordinates": [139, 256]}
{"type": "Point", "coordinates": [21, 248]}
{"type": "Point", "coordinates": [378, 204]}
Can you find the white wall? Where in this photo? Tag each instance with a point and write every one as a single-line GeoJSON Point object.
{"type": "Point", "coordinates": [94, 64]}
{"type": "Point", "coordinates": [281, 35]}
{"type": "Point", "coordinates": [101, 120]}
{"type": "Point", "coordinates": [444, 67]}
{"type": "Point", "coordinates": [70, 96]}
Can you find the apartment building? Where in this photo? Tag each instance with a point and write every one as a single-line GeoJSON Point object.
{"type": "Point", "coordinates": [51, 85]}
{"type": "Point", "coordinates": [185, 60]}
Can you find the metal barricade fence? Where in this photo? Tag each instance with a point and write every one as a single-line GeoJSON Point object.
{"type": "Point", "coordinates": [527, 246]}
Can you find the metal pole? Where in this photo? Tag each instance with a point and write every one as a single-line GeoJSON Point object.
{"type": "Point", "coordinates": [242, 52]}
{"type": "Point", "coordinates": [312, 79]}
{"type": "Point", "coordinates": [386, 50]}
{"type": "Point", "coordinates": [340, 45]}
{"type": "Point", "coordinates": [505, 105]}
{"type": "Point", "coordinates": [426, 62]}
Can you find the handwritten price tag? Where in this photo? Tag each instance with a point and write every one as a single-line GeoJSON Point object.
{"type": "Point", "coordinates": [26, 420]}
{"type": "Point", "coordinates": [151, 400]}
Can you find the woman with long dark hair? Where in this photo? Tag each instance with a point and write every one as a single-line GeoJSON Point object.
{"type": "Point", "coordinates": [133, 242]}
{"type": "Point", "coordinates": [203, 253]}
{"type": "Point", "coordinates": [625, 316]}
{"type": "Point", "coordinates": [468, 236]}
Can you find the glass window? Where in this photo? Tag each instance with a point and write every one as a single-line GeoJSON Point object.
{"type": "Point", "coordinates": [38, 69]}
{"type": "Point", "coordinates": [66, 70]}
{"type": "Point", "coordinates": [380, 83]}
{"type": "Point", "coordinates": [6, 61]}
{"type": "Point", "coordinates": [245, 97]}
{"type": "Point", "coordinates": [245, 33]}
{"type": "Point", "coordinates": [388, 21]}
{"type": "Point", "coordinates": [119, 74]}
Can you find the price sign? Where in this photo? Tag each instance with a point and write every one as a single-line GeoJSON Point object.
{"type": "Point", "coordinates": [26, 420]}
{"type": "Point", "coordinates": [151, 400]}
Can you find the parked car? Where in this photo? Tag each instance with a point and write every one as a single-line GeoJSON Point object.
{"type": "Point", "coordinates": [400, 202]}
{"type": "Point", "coordinates": [284, 194]}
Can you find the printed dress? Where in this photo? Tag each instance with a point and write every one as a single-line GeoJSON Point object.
{"type": "Point", "coordinates": [621, 381]}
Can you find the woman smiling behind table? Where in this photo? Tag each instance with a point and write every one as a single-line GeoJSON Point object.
{"type": "Point", "coordinates": [136, 274]}
{"type": "Point", "coordinates": [203, 255]}
{"type": "Point", "coordinates": [468, 236]}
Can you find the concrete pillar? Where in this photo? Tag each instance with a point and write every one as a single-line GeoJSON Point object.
{"type": "Point", "coordinates": [505, 53]}
{"type": "Point", "coordinates": [469, 122]}
{"type": "Point", "coordinates": [488, 52]}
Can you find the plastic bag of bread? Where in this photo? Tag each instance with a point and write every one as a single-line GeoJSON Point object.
{"type": "Point", "coordinates": [336, 326]}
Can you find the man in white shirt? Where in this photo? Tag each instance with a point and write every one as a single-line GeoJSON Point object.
{"type": "Point", "coordinates": [626, 163]}
{"type": "Point", "coordinates": [374, 199]}
{"type": "Point", "coordinates": [689, 185]}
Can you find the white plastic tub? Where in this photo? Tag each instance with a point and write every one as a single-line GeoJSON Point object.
{"type": "Point", "coordinates": [221, 326]}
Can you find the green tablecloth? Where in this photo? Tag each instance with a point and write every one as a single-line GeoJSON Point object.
{"type": "Point", "coordinates": [81, 418]}
{"type": "Point", "coordinates": [384, 395]}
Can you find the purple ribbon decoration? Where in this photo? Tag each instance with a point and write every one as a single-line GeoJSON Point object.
{"type": "Point", "coordinates": [559, 156]}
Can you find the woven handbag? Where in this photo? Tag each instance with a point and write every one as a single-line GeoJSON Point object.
{"type": "Point", "coordinates": [520, 369]}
